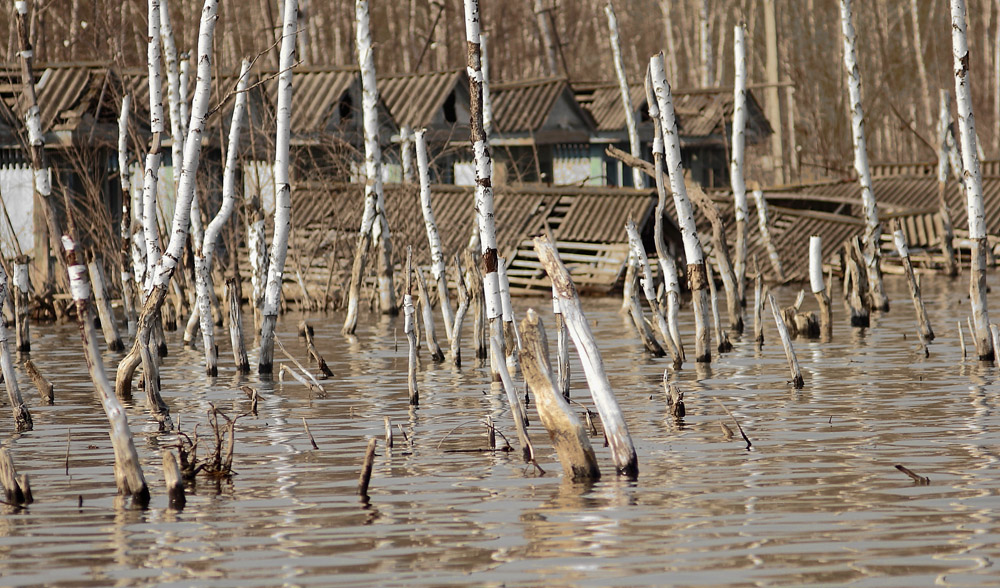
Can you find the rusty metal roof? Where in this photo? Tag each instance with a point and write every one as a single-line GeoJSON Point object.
{"type": "Point", "coordinates": [317, 94]}
{"type": "Point", "coordinates": [600, 216]}
{"type": "Point", "coordinates": [414, 99]}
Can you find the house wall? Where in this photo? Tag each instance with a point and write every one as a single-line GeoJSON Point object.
{"type": "Point", "coordinates": [17, 197]}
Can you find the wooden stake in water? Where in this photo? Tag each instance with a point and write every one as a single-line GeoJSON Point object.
{"type": "Point", "coordinates": [758, 309]}
{"type": "Point", "coordinates": [615, 428]}
{"type": "Point", "coordinates": [22, 418]}
{"type": "Point", "coordinates": [923, 323]}
{"type": "Point", "coordinates": [569, 438]}
{"type": "Point", "coordinates": [786, 342]}
{"type": "Point", "coordinates": [236, 328]}
{"type": "Point", "coordinates": [961, 338]}
{"type": "Point", "coordinates": [514, 401]}
{"type": "Point", "coordinates": [646, 280]}
{"type": "Point", "coordinates": [819, 288]}
{"type": "Point", "coordinates": [172, 479]}
{"type": "Point", "coordinates": [944, 134]}
{"type": "Point", "coordinates": [103, 304]}
{"type": "Point", "coordinates": [765, 235]}
{"type": "Point", "coordinates": [857, 297]}
{"type": "Point", "coordinates": [366, 468]}
{"type": "Point", "coordinates": [41, 383]}
{"type": "Point", "coordinates": [563, 345]}
{"type": "Point", "coordinates": [463, 307]}
{"type": "Point", "coordinates": [13, 491]}
{"type": "Point", "coordinates": [427, 312]}
{"type": "Point", "coordinates": [22, 303]}
{"type": "Point", "coordinates": [638, 320]}
{"type": "Point", "coordinates": [720, 335]}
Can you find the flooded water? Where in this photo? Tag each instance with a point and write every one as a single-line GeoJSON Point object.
{"type": "Point", "coordinates": [815, 501]}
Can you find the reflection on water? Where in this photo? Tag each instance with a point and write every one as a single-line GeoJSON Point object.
{"type": "Point", "coordinates": [816, 500]}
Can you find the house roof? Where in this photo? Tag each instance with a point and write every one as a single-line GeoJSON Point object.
{"type": "Point", "coordinates": [699, 112]}
{"type": "Point", "coordinates": [414, 99]}
{"type": "Point", "coordinates": [526, 106]}
{"type": "Point", "coordinates": [68, 94]}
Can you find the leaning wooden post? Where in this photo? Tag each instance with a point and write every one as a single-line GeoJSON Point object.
{"type": "Point", "coordinates": [758, 306]}
{"type": "Point", "coordinates": [635, 148]}
{"type": "Point", "coordinates": [648, 288]}
{"type": "Point", "coordinates": [668, 266]}
{"type": "Point", "coordinates": [236, 327]}
{"type": "Point", "coordinates": [203, 258]}
{"type": "Point", "coordinates": [128, 472]}
{"type": "Point", "coordinates": [973, 183]}
{"type": "Point", "coordinates": [720, 335]}
{"type": "Point", "coordinates": [562, 345]}
{"type": "Point", "coordinates": [736, 179]}
{"type": "Point", "coordinates": [484, 183]}
{"type": "Point", "coordinates": [818, 287]}
{"type": "Point", "coordinates": [22, 418]}
{"type": "Point", "coordinates": [103, 304]}
{"type": "Point", "coordinates": [786, 342]}
{"type": "Point", "coordinates": [734, 305]}
{"type": "Point", "coordinates": [638, 319]}
{"type": "Point", "coordinates": [926, 333]}
{"type": "Point", "coordinates": [569, 438]}
{"type": "Point", "coordinates": [22, 303]}
{"type": "Point", "coordinates": [857, 297]}
{"type": "Point", "coordinates": [615, 428]}
{"type": "Point", "coordinates": [409, 316]}
{"type": "Point", "coordinates": [765, 235]}
{"type": "Point", "coordinates": [511, 338]}
{"type": "Point", "coordinates": [873, 230]}
{"type": "Point", "coordinates": [283, 191]}
{"type": "Point", "coordinates": [366, 468]}
{"type": "Point", "coordinates": [685, 214]}
{"type": "Point", "coordinates": [947, 234]}
{"type": "Point", "coordinates": [517, 412]}
{"type": "Point", "coordinates": [438, 269]}
{"type": "Point", "coordinates": [129, 294]}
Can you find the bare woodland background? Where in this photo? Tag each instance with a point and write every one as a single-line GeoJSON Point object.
{"type": "Point", "coordinates": [425, 35]}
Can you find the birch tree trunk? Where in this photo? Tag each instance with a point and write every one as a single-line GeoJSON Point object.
{"type": "Point", "coordinates": [630, 126]}
{"type": "Point", "coordinates": [685, 214]}
{"type": "Point", "coordinates": [548, 44]}
{"type": "Point", "coordinates": [705, 39]}
{"type": "Point", "coordinates": [818, 287]}
{"type": "Point", "coordinates": [33, 122]}
{"type": "Point", "coordinates": [741, 211]}
{"type": "Point", "coordinates": [438, 269]}
{"type": "Point", "coordinates": [171, 65]}
{"type": "Point", "coordinates": [947, 234]}
{"type": "Point", "coordinates": [128, 471]}
{"type": "Point", "coordinates": [562, 345]}
{"type": "Point", "coordinates": [646, 280]}
{"type": "Point", "coordinates": [22, 302]}
{"type": "Point", "coordinates": [179, 226]}
{"type": "Point", "coordinates": [765, 234]}
{"type": "Point", "coordinates": [152, 170]}
{"type": "Point", "coordinates": [923, 323]}
{"type": "Point", "coordinates": [283, 191]}
{"type": "Point", "coordinates": [612, 418]}
{"type": "Point", "coordinates": [973, 183]}
{"type": "Point", "coordinates": [129, 296]}
{"type": "Point", "coordinates": [484, 185]}
{"type": "Point", "coordinates": [918, 52]}
{"type": "Point", "coordinates": [22, 418]}
{"type": "Point", "coordinates": [374, 205]}
{"type": "Point", "coordinates": [873, 230]}
{"type": "Point", "coordinates": [668, 265]}
{"type": "Point", "coordinates": [203, 258]}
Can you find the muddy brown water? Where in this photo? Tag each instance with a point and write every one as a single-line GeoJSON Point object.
{"type": "Point", "coordinates": [815, 501]}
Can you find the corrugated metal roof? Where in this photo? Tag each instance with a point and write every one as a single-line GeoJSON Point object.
{"type": "Point", "coordinates": [523, 106]}
{"type": "Point", "coordinates": [414, 99]}
{"type": "Point", "coordinates": [65, 91]}
{"type": "Point", "coordinates": [601, 217]}
{"type": "Point", "coordinates": [317, 93]}
{"type": "Point", "coordinates": [700, 113]}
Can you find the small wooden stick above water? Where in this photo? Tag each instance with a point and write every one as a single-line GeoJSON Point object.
{"type": "Point", "coordinates": [411, 338]}
{"type": "Point", "coordinates": [172, 479]}
{"type": "Point", "coordinates": [43, 385]}
{"type": "Point", "coordinates": [923, 323]}
{"type": "Point", "coordinates": [313, 352]}
{"type": "Point", "coordinates": [786, 342]}
{"type": "Point", "coordinates": [366, 468]}
{"type": "Point", "coordinates": [819, 288]}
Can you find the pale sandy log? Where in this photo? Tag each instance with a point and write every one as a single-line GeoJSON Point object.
{"type": "Point", "coordinates": [236, 328]}
{"type": "Point", "coordinates": [786, 342]}
{"type": "Point", "coordinates": [923, 323]}
{"type": "Point", "coordinates": [173, 481]}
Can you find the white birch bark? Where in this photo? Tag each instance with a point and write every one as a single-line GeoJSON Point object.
{"type": "Point", "coordinates": [484, 186]}
{"type": "Point", "coordinates": [562, 345]}
{"type": "Point", "coordinates": [179, 227]}
{"type": "Point", "coordinates": [487, 102]}
{"type": "Point", "coordinates": [648, 289]}
{"type": "Point", "coordinates": [786, 343]}
{"type": "Point", "coordinates": [22, 418]}
{"type": "Point", "coordinates": [923, 323]}
{"type": "Point", "coordinates": [947, 232]}
{"type": "Point", "coordinates": [173, 88]}
{"type": "Point", "coordinates": [619, 439]}
{"type": "Point", "coordinates": [973, 182]}
{"type": "Point", "coordinates": [873, 230]}
{"type": "Point", "coordinates": [128, 471]}
{"type": "Point", "coordinates": [406, 152]}
{"type": "Point", "coordinates": [283, 190]}
{"type": "Point", "coordinates": [203, 258]}
{"type": "Point", "coordinates": [685, 213]}
{"type": "Point", "coordinates": [818, 287]}
{"type": "Point", "coordinates": [124, 175]}
{"type": "Point", "coordinates": [152, 169]}
{"type": "Point", "coordinates": [667, 263]}
{"type": "Point", "coordinates": [433, 237]}
{"type": "Point", "coordinates": [630, 126]}
{"type": "Point", "coordinates": [918, 51]}
{"type": "Point", "coordinates": [736, 178]}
